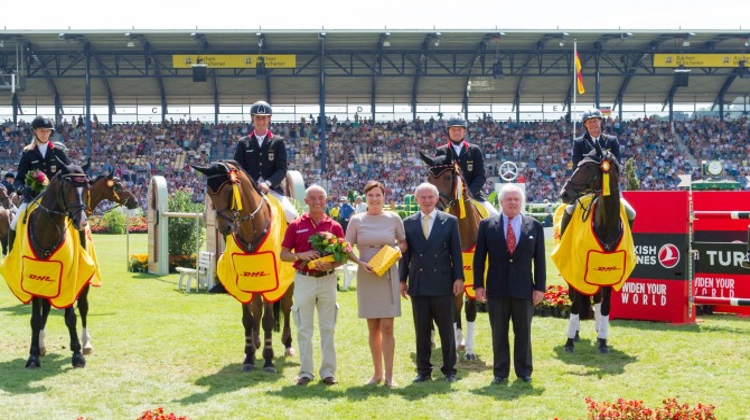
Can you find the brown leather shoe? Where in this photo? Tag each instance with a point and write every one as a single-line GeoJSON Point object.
{"type": "Point", "coordinates": [303, 381]}
{"type": "Point", "coordinates": [330, 380]}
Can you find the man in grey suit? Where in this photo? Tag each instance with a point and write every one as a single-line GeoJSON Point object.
{"type": "Point", "coordinates": [433, 266]}
{"type": "Point", "coordinates": [512, 243]}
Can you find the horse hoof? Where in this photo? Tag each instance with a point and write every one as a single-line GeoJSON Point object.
{"type": "Point", "coordinates": [78, 361]}
{"type": "Point", "coordinates": [470, 357]}
{"type": "Point", "coordinates": [461, 347]}
{"type": "Point", "coordinates": [43, 351]}
{"type": "Point", "coordinates": [567, 349]}
{"type": "Point", "coordinates": [269, 369]}
{"type": "Point", "coordinates": [88, 351]}
{"type": "Point", "coordinates": [289, 352]}
{"type": "Point", "coordinates": [247, 367]}
{"type": "Point", "coordinates": [603, 350]}
{"type": "Point", "coordinates": [33, 362]}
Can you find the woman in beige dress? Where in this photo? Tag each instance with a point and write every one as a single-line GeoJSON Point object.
{"type": "Point", "coordinates": [377, 297]}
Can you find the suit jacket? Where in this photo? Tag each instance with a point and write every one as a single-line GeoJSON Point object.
{"type": "Point", "coordinates": [472, 166]}
{"type": "Point", "coordinates": [584, 144]}
{"type": "Point", "coordinates": [432, 265]}
{"type": "Point", "coordinates": [267, 161]}
{"type": "Point", "coordinates": [510, 275]}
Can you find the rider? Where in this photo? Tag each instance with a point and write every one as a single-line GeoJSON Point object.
{"type": "Point", "coordinates": [263, 156]}
{"type": "Point", "coordinates": [40, 154]}
{"type": "Point", "coordinates": [469, 158]}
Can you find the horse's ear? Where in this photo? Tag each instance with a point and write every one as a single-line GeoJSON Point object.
{"type": "Point", "coordinates": [201, 169]}
{"type": "Point", "coordinates": [426, 159]}
{"type": "Point", "coordinates": [111, 174]}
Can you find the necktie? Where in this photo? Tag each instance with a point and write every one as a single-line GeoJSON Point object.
{"type": "Point", "coordinates": [426, 226]}
{"type": "Point", "coordinates": [510, 238]}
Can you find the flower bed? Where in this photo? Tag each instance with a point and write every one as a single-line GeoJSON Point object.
{"type": "Point", "coordinates": [135, 225]}
{"type": "Point", "coordinates": [636, 410]}
{"type": "Point", "coordinates": [556, 302]}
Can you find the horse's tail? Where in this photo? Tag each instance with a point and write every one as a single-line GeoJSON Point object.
{"type": "Point", "coordinates": [277, 316]}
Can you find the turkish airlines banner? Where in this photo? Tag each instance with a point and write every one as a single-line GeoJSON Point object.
{"type": "Point", "coordinates": [721, 246]}
{"type": "Point", "coordinates": [658, 288]}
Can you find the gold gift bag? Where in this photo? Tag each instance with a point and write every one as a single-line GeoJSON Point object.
{"type": "Point", "coordinates": [384, 259]}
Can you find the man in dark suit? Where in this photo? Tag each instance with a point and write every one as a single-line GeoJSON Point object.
{"type": "Point", "coordinates": [469, 158]}
{"type": "Point", "coordinates": [433, 266]}
{"type": "Point", "coordinates": [511, 243]}
{"type": "Point", "coordinates": [263, 156]}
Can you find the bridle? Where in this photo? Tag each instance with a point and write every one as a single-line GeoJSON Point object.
{"type": "Point", "coordinates": [457, 189]}
{"type": "Point", "coordinates": [69, 210]}
{"type": "Point", "coordinates": [234, 213]}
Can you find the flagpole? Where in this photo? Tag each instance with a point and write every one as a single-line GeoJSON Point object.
{"type": "Point", "coordinates": [575, 86]}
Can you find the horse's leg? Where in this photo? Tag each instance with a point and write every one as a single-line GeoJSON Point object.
{"type": "Point", "coordinates": [83, 309]}
{"type": "Point", "coordinates": [471, 317]}
{"type": "Point", "coordinates": [78, 360]}
{"type": "Point", "coordinates": [603, 331]}
{"type": "Point", "coordinates": [457, 330]}
{"type": "Point", "coordinates": [36, 327]}
{"type": "Point", "coordinates": [256, 307]}
{"type": "Point", "coordinates": [247, 321]}
{"type": "Point", "coordinates": [286, 333]}
{"type": "Point", "coordinates": [574, 321]}
{"type": "Point", "coordinates": [42, 335]}
{"type": "Point", "coordinates": [267, 337]}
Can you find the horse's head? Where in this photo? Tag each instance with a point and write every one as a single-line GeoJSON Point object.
{"type": "Point", "coordinates": [225, 181]}
{"type": "Point", "coordinates": [69, 189]}
{"type": "Point", "coordinates": [444, 175]}
{"type": "Point", "coordinates": [109, 187]}
{"type": "Point", "coordinates": [4, 198]}
{"type": "Point", "coordinates": [587, 178]}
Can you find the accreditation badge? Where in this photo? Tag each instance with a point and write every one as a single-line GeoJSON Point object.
{"type": "Point", "coordinates": [270, 156]}
{"type": "Point", "coordinates": [470, 165]}
{"type": "Point", "coordinates": [53, 168]}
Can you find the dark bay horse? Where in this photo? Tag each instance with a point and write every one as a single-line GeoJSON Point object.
{"type": "Point", "coordinates": [247, 220]}
{"type": "Point", "coordinates": [594, 187]}
{"type": "Point", "coordinates": [59, 208]}
{"type": "Point", "coordinates": [6, 216]}
{"type": "Point", "coordinates": [455, 199]}
{"type": "Point", "coordinates": [104, 188]}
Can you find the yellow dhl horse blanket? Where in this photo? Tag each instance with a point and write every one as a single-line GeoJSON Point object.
{"type": "Point", "coordinates": [244, 274]}
{"type": "Point", "coordinates": [582, 261]}
{"type": "Point", "coordinates": [468, 256]}
{"type": "Point", "coordinates": [59, 277]}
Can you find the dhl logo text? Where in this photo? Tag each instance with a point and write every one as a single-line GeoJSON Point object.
{"type": "Point", "coordinates": [254, 274]}
{"type": "Point", "coordinates": [40, 278]}
{"type": "Point", "coordinates": [607, 269]}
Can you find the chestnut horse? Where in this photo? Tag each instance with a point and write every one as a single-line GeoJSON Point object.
{"type": "Point", "coordinates": [245, 217]}
{"type": "Point", "coordinates": [105, 187]}
{"type": "Point", "coordinates": [61, 206]}
{"type": "Point", "coordinates": [455, 199]}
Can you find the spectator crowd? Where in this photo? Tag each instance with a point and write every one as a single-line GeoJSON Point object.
{"type": "Point", "coordinates": [361, 150]}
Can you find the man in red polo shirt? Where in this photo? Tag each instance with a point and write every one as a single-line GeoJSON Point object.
{"type": "Point", "coordinates": [313, 288]}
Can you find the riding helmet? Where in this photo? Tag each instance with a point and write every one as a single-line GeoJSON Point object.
{"type": "Point", "coordinates": [42, 122]}
{"type": "Point", "coordinates": [591, 113]}
{"type": "Point", "coordinates": [261, 108]}
{"type": "Point", "coordinates": [456, 122]}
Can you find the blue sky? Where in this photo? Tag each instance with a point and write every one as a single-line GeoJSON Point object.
{"type": "Point", "coordinates": [393, 14]}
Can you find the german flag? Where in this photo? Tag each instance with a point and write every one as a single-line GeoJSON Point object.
{"type": "Point", "coordinates": [579, 76]}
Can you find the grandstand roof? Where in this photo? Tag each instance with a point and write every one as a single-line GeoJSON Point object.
{"type": "Point", "coordinates": [370, 66]}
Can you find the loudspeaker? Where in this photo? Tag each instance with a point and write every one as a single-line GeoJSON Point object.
{"type": "Point", "coordinates": [200, 72]}
{"type": "Point", "coordinates": [681, 78]}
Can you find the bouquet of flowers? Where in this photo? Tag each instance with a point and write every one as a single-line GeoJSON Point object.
{"type": "Point", "coordinates": [36, 180]}
{"type": "Point", "coordinates": [331, 248]}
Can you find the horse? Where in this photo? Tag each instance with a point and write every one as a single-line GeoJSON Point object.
{"type": "Point", "coordinates": [105, 187]}
{"type": "Point", "coordinates": [46, 244]}
{"type": "Point", "coordinates": [247, 220]}
{"type": "Point", "coordinates": [455, 199]}
{"type": "Point", "coordinates": [6, 215]}
{"type": "Point", "coordinates": [594, 186]}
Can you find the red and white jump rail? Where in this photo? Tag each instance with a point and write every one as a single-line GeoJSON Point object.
{"type": "Point", "coordinates": [705, 300]}
{"type": "Point", "coordinates": [736, 215]}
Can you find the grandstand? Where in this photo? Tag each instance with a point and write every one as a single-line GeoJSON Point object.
{"type": "Point", "coordinates": [383, 96]}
